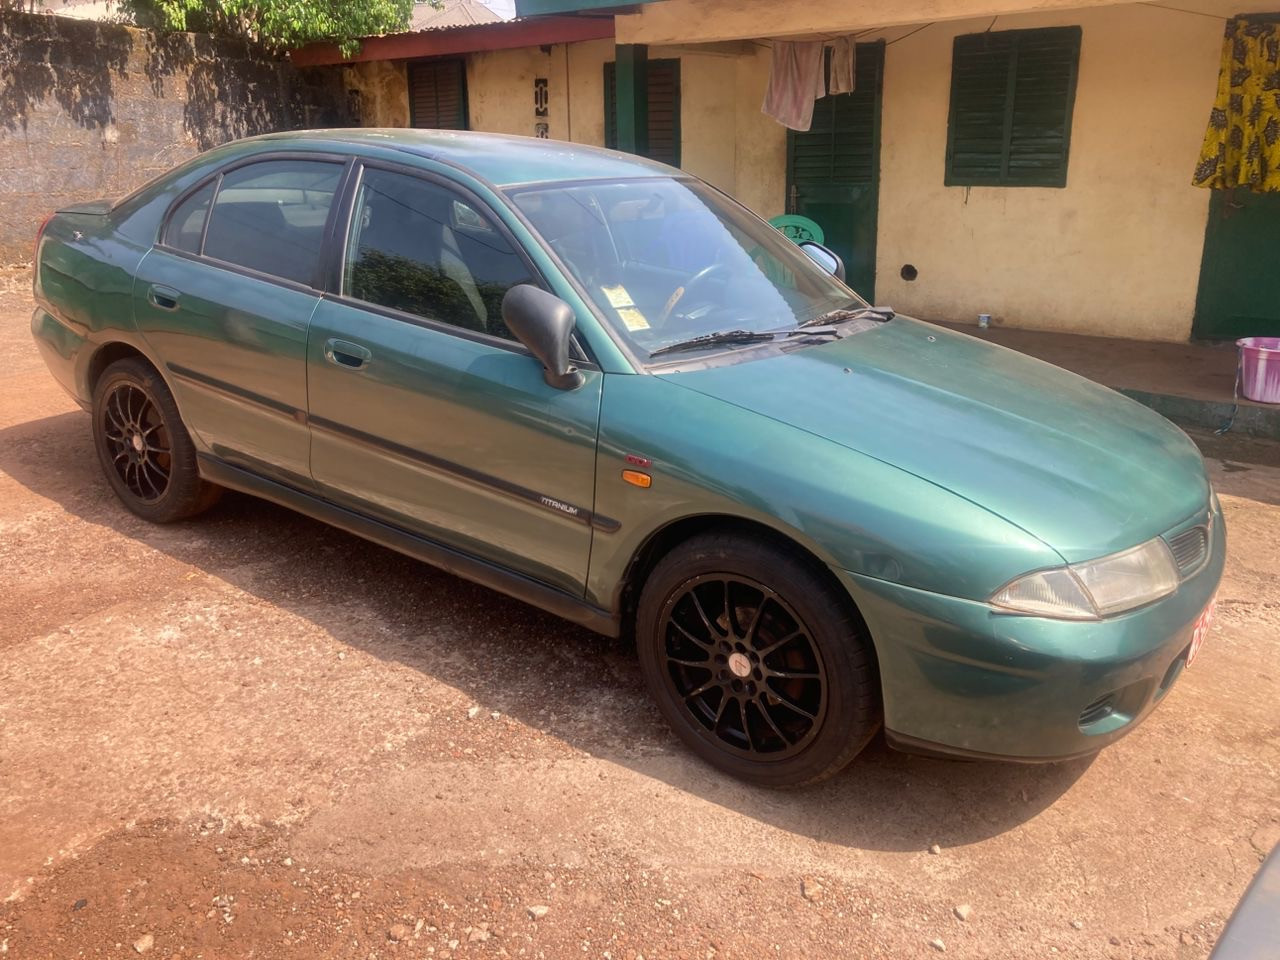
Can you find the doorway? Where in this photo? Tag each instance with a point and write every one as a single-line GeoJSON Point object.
{"type": "Point", "coordinates": [1239, 293]}
{"type": "Point", "coordinates": [833, 170]}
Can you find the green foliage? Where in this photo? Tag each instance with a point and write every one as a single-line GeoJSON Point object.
{"type": "Point", "coordinates": [279, 24]}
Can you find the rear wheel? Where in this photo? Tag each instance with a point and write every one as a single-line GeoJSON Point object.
{"type": "Point", "coordinates": [758, 663]}
{"type": "Point", "coordinates": [145, 451]}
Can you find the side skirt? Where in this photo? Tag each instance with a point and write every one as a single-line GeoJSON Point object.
{"type": "Point", "coordinates": [420, 548]}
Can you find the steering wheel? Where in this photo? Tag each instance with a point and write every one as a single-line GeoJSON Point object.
{"type": "Point", "coordinates": [682, 291]}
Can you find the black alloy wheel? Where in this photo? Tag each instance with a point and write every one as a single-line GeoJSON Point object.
{"type": "Point", "coordinates": [744, 665]}
{"type": "Point", "coordinates": [144, 448]}
{"type": "Point", "coordinates": [758, 659]}
{"type": "Point", "coordinates": [138, 440]}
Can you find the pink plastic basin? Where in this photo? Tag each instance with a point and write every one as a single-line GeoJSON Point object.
{"type": "Point", "coordinates": [1260, 368]}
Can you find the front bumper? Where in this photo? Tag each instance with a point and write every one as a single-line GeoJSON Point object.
{"type": "Point", "coordinates": [959, 678]}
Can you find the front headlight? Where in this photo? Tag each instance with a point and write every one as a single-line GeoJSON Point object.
{"type": "Point", "coordinates": [1099, 588]}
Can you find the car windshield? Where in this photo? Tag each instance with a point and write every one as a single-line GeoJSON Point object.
{"type": "Point", "coordinates": [669, 260]}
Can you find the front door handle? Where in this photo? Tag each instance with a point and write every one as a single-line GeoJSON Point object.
{"type": "Point", "coordinates": [166, 298]}
{"type": "Point", "coordinates": [347, 354]}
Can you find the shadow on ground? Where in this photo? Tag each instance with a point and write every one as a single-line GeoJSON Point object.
{"type": "Point", "coordinates": [580, 687]}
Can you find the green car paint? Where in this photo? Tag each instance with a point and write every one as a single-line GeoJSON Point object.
{"type": "Point", "coordinates": [924, 468]}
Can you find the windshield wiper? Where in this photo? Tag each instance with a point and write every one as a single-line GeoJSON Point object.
{"type": "Point", "coordinates": [715, 339]}
{"type": "Point", "coordinates": [840, 316]}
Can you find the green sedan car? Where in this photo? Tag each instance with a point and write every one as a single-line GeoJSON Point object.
{"type": "Point", "coordinates": [599, 385]}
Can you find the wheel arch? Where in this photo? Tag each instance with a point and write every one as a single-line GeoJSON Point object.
{"type": "Point", "coordinates": [107, 354]}
{"type": "Point", "coordinates": [670, 535]}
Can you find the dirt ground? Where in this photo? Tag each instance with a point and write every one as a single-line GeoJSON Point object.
{"type": "Point", "coordinates": [254, 736]}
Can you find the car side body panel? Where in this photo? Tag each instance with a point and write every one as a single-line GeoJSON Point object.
{"type": "Point", "coordinates": [713, 458]}
{"type": "Point", "coordinates": [922, 469]}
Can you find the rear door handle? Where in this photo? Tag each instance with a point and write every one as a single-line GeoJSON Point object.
{"type": "Point", "coordinates": [347, 354]}
{"type": "Point", "coordinates": [166, 298]}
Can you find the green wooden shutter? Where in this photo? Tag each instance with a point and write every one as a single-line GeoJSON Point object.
{"type": "Point", "coordinates": [1012, 96]}
{"type": "Point", "coordinates": [438, 94]}
{"type": "Point", "coordinates": [840, 145]}
{"type": "Point", "coordinates": [664, 110]}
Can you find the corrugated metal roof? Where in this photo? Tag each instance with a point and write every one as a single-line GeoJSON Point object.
{"type": "Point", "coordinates": [454, 13]}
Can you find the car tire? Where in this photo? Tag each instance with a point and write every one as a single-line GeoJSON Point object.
{"type": "Point", "coordinates": [144, 448]}
{"type": "Point", "coordinates": [760, 664]}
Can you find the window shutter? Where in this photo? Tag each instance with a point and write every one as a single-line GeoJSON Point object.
{"type": "Point", "coordinates": [664, 110]}
{"type": "Point", "coordinates": [438, 94]}
{"type": "Point", "coordinates": [840, 145]}
{"type": "Point", "coordinates": [1012, 95]}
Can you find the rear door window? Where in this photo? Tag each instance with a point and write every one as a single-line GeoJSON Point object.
{"type": "Point", "coordinates": [270, 217]}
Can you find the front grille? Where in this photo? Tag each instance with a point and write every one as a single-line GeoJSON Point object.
{"type": "Point", "coordinates": [1100, 709]}
{"type": "Point", "coordinates": [1190, 550]}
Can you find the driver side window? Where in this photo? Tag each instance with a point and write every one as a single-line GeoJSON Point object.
{"type": "Point", "coordinates": [419, 248]}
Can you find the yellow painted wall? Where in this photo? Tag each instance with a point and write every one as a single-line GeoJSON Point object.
{"type": "Point", "coordinates": [384, 92]}
{"type": "Point", "coordinates": [500, 90]}
{"type": "Point", "coordinates": [1117, 252]}
{"type": "Point", "coordinates": [500, 95]}
{"type": "Point", "coordinates": [699, 21]}
{"type": "Point", "coordinates": [761, 155]}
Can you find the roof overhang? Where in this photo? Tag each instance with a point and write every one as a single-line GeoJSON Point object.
{"type": "Point", "coordinates": [532, 32]}
{"type": "Point", "coordinates": [537, 8]}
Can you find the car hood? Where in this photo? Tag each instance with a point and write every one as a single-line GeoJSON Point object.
{"type": "Point", "coordinates": [1081, 467]}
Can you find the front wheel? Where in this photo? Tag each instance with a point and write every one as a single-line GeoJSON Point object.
{"type": "Point", "coordinates": [145, 451]}
{"type": "Point", "coordinates": [758, 664]}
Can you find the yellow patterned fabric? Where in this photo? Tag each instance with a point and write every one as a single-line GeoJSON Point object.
{"type": "Point", "coordinates": [1242, 144]}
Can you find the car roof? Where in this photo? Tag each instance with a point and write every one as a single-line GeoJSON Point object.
{"type": "Point", "coordinates": [501, 159]}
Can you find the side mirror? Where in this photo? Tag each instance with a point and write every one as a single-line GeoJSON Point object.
{"type": "Point", "coordinates": [824, 257]}
{"type": "Point", "coordinates": [543, 323]}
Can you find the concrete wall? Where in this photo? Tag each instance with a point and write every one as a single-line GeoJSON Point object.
{"type": "Point", "coordinates": [704, 21]}
{"type": "Point", "coordinates": [90, 110]}
{"type": "Point", "coordinates": [1115, 253]}
{"type": "Point", "coordinates": [379, 93]}
{"type": "Point", "coordinates": [729, 144]}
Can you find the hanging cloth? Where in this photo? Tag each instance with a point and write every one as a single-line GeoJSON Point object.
{"type": "Point", "coordinates": [795, 81]}
{"type": "Point", "coordinates": [844, 66]}
{"type": "Point", "coordinates": [1242, 144]}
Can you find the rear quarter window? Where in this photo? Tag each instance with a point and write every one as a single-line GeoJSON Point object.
{"type": "Point", "coordinates": [186, 224]}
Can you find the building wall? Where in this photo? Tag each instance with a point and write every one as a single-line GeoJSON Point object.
{"type": "Point", "coordinates": [500, 96]}
{"type": "Point", "coordinates": [90, 110]}
{"type": "Point", "coordinates": [761, 142]}
{"type": "Point", "coordinates": [1117, 252]}
{"type": "Point", "coordinates": [706, 21]}
{"type": "Point", "coordinates": [500, 90]}
{"type": "Point", "coordinates": [380, 89]}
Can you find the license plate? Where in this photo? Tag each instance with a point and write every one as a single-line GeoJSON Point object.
{"type": "Point", "coordinates": [1201, 630]}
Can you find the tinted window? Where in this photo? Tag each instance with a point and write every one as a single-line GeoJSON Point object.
{"type": "Point", "coordinates": [270, 216]}
{"type": "Point", "coordinates": [418, 247]}
{"type": "Point", "coordinates": [187, 222]}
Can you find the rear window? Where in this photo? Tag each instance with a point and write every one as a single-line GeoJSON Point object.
{"type": "Point", "coordinates": [270, 217]}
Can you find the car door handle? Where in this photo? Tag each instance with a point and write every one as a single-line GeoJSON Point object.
{"type": "Point", "coordinates": [166, 298]}
{"type": "Point", "coordinates": [347, 354]}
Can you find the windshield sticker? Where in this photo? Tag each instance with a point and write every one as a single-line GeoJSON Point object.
{"type": "Point", "coordinates": [618, 296]}
{"type": "Point", "coordinates": [633, 319]}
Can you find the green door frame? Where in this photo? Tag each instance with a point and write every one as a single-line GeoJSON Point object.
{"type": "Point", "coordinates": [1239, 290]}
{"type": "Point", "coordinates": [861, 275]}
{"type": "Point", "coordinates": [632, 91]}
